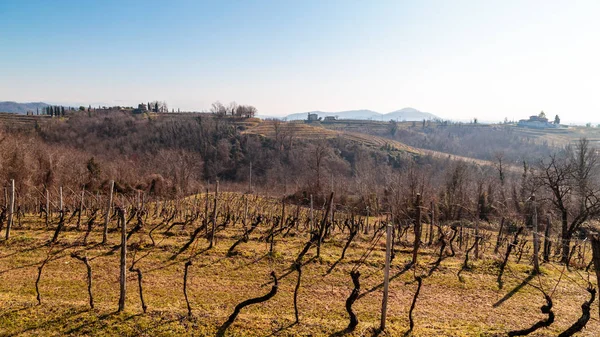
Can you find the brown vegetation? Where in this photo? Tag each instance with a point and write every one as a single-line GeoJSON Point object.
{"type": "Point", "coordinates": [156, 166]}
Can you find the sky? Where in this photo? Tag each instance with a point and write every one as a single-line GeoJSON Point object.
{"type": "Point", "coordinates": [457, 59]}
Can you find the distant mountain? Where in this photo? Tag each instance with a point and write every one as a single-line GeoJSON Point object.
{"type": "Point", "coordinates": [22, 108]}
{"type": "Point", "coordinates": [406, 114]}
{"type": "Point", "coordinates": [352, 114]}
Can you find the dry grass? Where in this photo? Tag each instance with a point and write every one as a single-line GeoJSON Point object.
{"type": "Point", "coordinates": [354, 131]}
{"type": "Point", "coordinates": [316, 131]}
{"type": "Point", "coordinates": [446, 307]}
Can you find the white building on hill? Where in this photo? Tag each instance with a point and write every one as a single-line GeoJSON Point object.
{"type": "Point", "coordinates": [537, 122]}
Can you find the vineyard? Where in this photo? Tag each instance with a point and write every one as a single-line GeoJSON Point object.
{"type": "Point", "coordinates": [14, 122]}
{"type": "Point", "coordinates": [274, 129]}
{"type": "Point", "coordinates": [232, 264]}
{"type": "Point", "coordinates": [299, 168]}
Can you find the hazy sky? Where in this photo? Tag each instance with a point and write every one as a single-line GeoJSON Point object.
{"type": "Point", "coordinates": [457, 59]}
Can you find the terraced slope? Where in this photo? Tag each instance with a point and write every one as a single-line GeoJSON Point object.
{"type": "Point", "coordinates": [301, 130]}
{"type": "Point", "coordinates": [274, 129]}
{"type": "Point", "coordinates": [16, 122]}
{"type": "Point", "coordinates": [562, 136]}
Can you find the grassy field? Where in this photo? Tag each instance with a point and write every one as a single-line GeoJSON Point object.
{"type": "Point", "coordinates": [353, 131]}
{"type": "Point", "coordinates": [447, 306]}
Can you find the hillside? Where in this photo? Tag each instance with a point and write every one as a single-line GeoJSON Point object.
{"type": "Point", "coordinates": [473, 143]}
{"type": "Point", "coordinates": [21, 108]}
{"type": "Point", "coordinates": [479, 141]}
{"type": "Point", "coordinates": [271, 129]}
{"type": "Point", "coordinates": [372, 134]}
{"type": "Point", "coordinates": [406, 114]}
{"type": "Point", "coordinates": [351, 132]}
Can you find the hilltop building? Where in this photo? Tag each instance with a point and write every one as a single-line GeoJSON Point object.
{"type": "Point", "coordinates": [538, 122]}
{"type": "Point", "coordinates": [312, 117]}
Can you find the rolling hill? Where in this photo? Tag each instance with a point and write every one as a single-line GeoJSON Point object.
{"type": "Point", "coordinates": [406, 114]}
{"type": "Point", "coordinates": [313, 131]}
{"type": "Point", "coordinates": [21, 108]}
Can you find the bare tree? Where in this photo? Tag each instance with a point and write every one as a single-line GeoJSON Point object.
{"type": "Point", "coordinates": [500, 166]}
{"type": "Point", "coordinates": [218, 108]}
{"type": "Point", "coordinates": [247, 111]}
{"type": "Point", "coordinates": [571, 178]}
{"type": "Point", "coordinates": [320, 152]}
{"type": "Point", "coordinates": [278, 133]}
{"type": "Point", "coordinates": [232, 108]}
{"type": "Point", "coordinates": [158, 106]}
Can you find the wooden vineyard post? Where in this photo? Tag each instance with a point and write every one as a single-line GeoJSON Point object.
{"type": "Point", "coordinates": [366, 231]}
{"type": "Point", "coordinates": [332, 213]}
{"type": "Point", "coordinates": [47, 206]}
{"type": "Point", "coordinates": [60, 203]}
{"type": "Point", "coordinates": [108, 207]}
{"type": "Point", "coordinates": [123, 260]}
{"type": "Point", "coordinates": [311, 214]}
{"type": "Point", "coordinates": [584, 250]}
{"type": "Point", "coordinates": [80, 208]}
{"type": "Point", "coordinates": [323, 225]}
{"type": "Point", "coordinates": [245, 210]}
{"type": "Point", "coordinates": [417, 231]}
{"type": "Point", "coordinates": [386, 275]}
{"type": "Point", "coordinates": [11, 208]}
{"type": "Point", "coordinates": [205, 221]}
{"type": "Point", "coordinates": [477, 216]}
{"type": "Point", "coordinates": [547, 242]}
{"type": "Point", "coordinates": [282, 222]}
{"type": "Point", "coordinates": [214, 216]}
{"type": "Point", "coordinates": [536, 243]}
{"type": "Point", "coordinates": [431, 224]}
{"type": "Point", "coordinates": [143, 206]}
{"type": "Point", "coordinates": [595, 240]}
